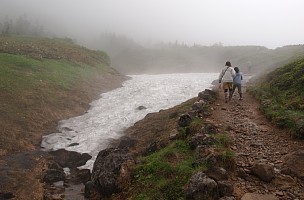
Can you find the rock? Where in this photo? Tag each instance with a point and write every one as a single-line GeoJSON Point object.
{"type": "Point", "coordinates": [300, 128]}
{"type": "Point", "coordinates": [207, 95]}
{"type": "Point", "coordinates": [217, 173]}
{"type": "Point", "coordinates": [71, 159]}
{"type": "Point", "coordinates": [284, 182]}
{"type": "Point", "coordinates": [201, 139]}
{"type": "Point", "coordinates": [126, 143]}
{"type": "Point", "coordinates": [91, 191]}
{"type": "Point", "coordinates": [198, 105]}
{"type": "Point", "coordinates": [209, 129]}
{"type": "Point", "coordinates": [174, 135]}
{"type": "Point", "coordinates": [293, 164]}
{"type": "Point", "coordinates": [242, 174]}
{"type": "Point", "coordinates": [202, 187]}
{"type": "Point", "coordinates": [141, 108]}
{"type": "Point", "coordinates": [80, 176]}
{"type": "Point", "coordinates": [253, 196]}
{"type": "Point", "coordinates": [152, 147]}
{"type": "Point", "coordinates": [53, 175]}
{"type": "Point", "coordinates": [184, 120]}
{"type": "Point", "coordinates": [111, 166]}
{"type": "Point", "coordinates": [225, 188]}
{"type": "Point", "coordinates": [263, 171]}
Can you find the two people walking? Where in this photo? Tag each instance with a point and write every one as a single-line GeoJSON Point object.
{"type": "Point", "coordinates": [229, 79]}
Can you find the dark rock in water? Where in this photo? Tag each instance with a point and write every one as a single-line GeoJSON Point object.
{"type": "Point", "coordinates": [126, 143]}
{"type": "Point", "coordinates": [111, 171]}
{"type": "Point", "coordinates": [71, 159]}
{"type": "Point", "coordinates": [91, 191]}
{"type": "Point", "coordinates": [54, 174]}
{"type": "Point", "coordinates": [74, 144]}
{"type": "Point", "coordinates": [141, 108]}
{"type": "Point", "coordinates": [80, 176]}
{"type": "Point", "coordinates": [67, 129]}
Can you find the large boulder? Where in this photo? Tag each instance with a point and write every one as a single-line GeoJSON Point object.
{"type": "Point", "coordinates": [70, 159]}
{"type": "Point", "coordinates": [263, 171]}
{"type": "Point", "coordinates": [111, 170]}
{"type": "Point", "coordinates": [293, 164]}
{"type": "Point", "coordinates": [202, 187]}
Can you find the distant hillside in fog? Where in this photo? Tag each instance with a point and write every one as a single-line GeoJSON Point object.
{"type": "Point", "coordinates": [129, 57]}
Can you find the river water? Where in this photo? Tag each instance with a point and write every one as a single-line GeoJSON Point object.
{"type": "Point", "coordinates": [117, 110]}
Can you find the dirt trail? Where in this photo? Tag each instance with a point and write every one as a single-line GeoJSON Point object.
{"type": "Point", "coordinates": [254, 139]}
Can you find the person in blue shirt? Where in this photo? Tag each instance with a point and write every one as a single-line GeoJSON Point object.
{"type": "Point", "coordinates": [237, 82]}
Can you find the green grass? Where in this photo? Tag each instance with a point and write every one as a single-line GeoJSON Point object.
{"type": "Point", "coordinates": [22, 77]}
{"type": "Point", "coordinates": [282, 96]}
{"type": "Point", "coordinates": [164, 174]}
{"type": "Point", "coordinates": [42, 81]}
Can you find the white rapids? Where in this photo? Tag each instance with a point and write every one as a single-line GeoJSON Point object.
{"type": "Point", "coordinates": [117, 110]}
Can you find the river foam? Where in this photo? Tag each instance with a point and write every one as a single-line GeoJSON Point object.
{"type": "Point", "coordinates": [117, 110]}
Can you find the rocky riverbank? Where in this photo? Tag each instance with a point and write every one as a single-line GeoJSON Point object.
{"type": "Point", "coordinates": [22, 174]}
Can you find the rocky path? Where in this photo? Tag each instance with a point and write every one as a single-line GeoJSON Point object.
{"type": "Point", "coordinates": [255, 140]}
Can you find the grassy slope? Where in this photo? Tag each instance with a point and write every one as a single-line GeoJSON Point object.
{"type": "Point", "coordinates": [41, 82]}
{"type": "Point", "coordinates": [282, 96]}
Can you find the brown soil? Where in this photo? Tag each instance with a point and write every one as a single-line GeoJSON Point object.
{"type": "Point", "coordinates": [255, 138]}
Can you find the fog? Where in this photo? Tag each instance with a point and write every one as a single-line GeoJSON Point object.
{"type": "Point", "coordinates": [270, 23]}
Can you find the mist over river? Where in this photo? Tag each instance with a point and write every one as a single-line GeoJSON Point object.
{"type": "Point", "coordinates": [117, 110]}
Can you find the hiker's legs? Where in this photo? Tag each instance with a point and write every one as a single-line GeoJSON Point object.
{"type": "Point", "coordinates": [226, 95]}
{"type": "Point", "coordinates": [230, 90]}
{"type": "Point", "coordinates": [225, 87]}
{"type": "Point", "coordinates": [233, 89]}
{"type": "Point", "coordinates": [239, 87]}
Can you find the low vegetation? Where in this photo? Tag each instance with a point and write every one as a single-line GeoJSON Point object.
{"type": "Point", "coordinates": [165, 174]}
{"type": "Point", "coordinates": [42, 81]}
{"type": "Point", "coordinates": [282, 96]}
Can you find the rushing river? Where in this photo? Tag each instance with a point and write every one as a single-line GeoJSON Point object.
{"type": "Point", "coordinates": [118, 109]}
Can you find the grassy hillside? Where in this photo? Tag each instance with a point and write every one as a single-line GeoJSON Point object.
{"type": "Point", "coordinates": [282, 96]}
{"type": "Point", "coordinates": [43, 81]}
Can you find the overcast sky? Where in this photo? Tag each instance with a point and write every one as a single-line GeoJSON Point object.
{"type": "Point", "coordinates": [270, 23]}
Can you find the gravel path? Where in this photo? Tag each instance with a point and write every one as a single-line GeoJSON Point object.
{"type": "Point", "coordinates": [255, 139]}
